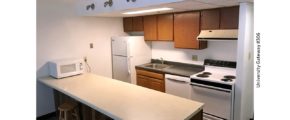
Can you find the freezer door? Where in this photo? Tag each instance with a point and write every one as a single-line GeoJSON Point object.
{"type": "Point", "coordinates": [120, 69]}
{"type": "Point", "coordinates": [119, 46]}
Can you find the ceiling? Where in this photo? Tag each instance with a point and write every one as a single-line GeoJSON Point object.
{"type": "Point", "coordinates": [186, 5]}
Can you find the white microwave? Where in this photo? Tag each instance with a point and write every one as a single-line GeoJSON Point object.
{"type": "Point", "coordinates": [65, 67]}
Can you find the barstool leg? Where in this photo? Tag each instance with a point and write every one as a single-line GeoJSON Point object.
{"type": "Point", "coordinates": [93, 115]}
{"type": "Point", "coordinates": [75, 114]}
{"type": "Point", "coordinates": [60, 114]}
{"type": "Point", "coordinates": [65, 116]}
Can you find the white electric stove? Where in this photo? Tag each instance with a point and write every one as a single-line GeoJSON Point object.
{"type": "Point", "coordinates": [223, 75]}
{"type": "Point", "coordinates": [215, 87]}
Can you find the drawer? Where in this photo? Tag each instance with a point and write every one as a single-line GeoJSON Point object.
{"type": "Point", "coordinates": [150, 74]}
{"type": "Point", "coordinates": [152, 83]}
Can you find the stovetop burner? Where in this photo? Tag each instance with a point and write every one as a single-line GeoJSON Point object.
{"type": "Point", "coordinates": [202, 75]}
{"type": "Point", "coordinates": [229, 77]}
{"type": "Point", "coordinates": [227, 80]}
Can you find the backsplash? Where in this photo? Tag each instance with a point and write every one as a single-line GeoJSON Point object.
{"type": "Point", "coordinates": [221, 50]}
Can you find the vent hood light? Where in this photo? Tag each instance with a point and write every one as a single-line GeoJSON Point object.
{"type": "Point", "coordinates": [218, 35]}
{"type": "Point", "coordinates": [147, 11]}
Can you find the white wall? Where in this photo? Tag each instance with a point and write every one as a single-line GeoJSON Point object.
{"type": "Point", "coordinates": [62, 33]}
{"type": "Point", "coordinates": [223, 50]}
{"type": "Point", "coordinates": [244, 101]}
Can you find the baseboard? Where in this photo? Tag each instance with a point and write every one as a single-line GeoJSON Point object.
{"type": "Point", "coordinates": [44, 117]}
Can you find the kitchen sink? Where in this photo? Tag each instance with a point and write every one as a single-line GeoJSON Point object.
{"type": "Point", "coordinates": [156, 65]}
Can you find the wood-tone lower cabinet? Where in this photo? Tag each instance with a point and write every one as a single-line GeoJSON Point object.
{"type": "Point", "coordinates": [156, 84]}
{"type": "Point", "coordinates": [186, 30]}
{"type": "Point", "coordinates": [150, 80]}
{"type": "Point", "coordinates": [142, 81]}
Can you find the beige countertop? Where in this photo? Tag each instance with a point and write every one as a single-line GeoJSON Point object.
{"type": "Point", "coordinates": [121, 100]}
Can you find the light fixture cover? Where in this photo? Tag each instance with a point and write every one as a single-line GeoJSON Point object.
{"type": "Point", "coordinates": [147, 11]}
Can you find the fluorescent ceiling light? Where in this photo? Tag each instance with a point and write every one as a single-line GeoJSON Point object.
{"type": "Point", "coordinates": [147, 11]}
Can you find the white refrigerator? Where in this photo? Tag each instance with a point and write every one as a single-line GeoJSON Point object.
{"type": "Point", "coordinates": [127, 52]}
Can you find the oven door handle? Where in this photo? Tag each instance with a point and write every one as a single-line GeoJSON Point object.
{"type": "Point", "coordinates": [210, 87]}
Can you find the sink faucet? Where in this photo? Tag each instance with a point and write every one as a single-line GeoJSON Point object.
{"type": "Point", "coordinates": [161, 60]}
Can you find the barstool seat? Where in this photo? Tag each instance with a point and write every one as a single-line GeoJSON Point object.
{"type": "Point", "coordinates": [68, 107]}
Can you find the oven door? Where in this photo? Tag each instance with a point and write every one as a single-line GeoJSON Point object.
{"type": "Point", "coordinates": [217, 101]}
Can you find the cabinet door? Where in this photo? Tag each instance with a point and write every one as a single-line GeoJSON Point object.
{"type": "Point", "coordinates": [138, 23]}
{"type": "Point", "coordinates": [150, 27]}
{"type": "Point", "coordinates": [128, 24]}
{"type": "Point", "coordinates": [142, 81]}
{"type": "Point", "coordinates": [186, 30]}
{"type": "Point", "coordinates": [156, 84]}
{"type": "Point", "coordinates": [210, 19]}
{"type": "Point", "coordinates": [165, 27]}
{"type": "Point", "coordinates": [230, 18]}
{"type": "Point", "coordinates": [150, 74]}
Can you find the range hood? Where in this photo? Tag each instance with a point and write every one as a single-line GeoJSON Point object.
{"type": "Point", "coordinates": [218, 35]}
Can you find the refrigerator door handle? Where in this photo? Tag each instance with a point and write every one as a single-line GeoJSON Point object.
{"type": "Point", "coordinates": [128, 57]}
{"type": "Point", "coordinates": [128, 64]}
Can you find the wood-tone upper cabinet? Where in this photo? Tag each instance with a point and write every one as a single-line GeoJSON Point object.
{"type": "Point", "coordinates": [210, 19]}
{"type": "Point", "coordinates": [128, 24]}
{"type": "Point", "coordinates": [186, 30]}
{"type": "Point", "coordinates": [150, 27]}
{"type": "Point", "coordinates": [158, 27]}
{"type": "Point", "coordinates": [133, 24]}
{"type": "Point", "coordinates": [138, 23]}
{"type": "Point", "coordinates": [222, 18]}
{"type": "Point", "coordinates": [165, 27]}
{"type": "Point", "coordinates": [229, 18]}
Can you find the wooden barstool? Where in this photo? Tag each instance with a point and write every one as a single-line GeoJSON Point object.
{"type": "Point", "coordinates": [68, 107]}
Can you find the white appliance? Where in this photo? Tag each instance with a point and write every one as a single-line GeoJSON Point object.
{"type": "Point", "coordinates": [65, 67]}
{"type": "Point", "coordinates": [215, 88]}
{"type": "Point", "coordinates": [127, 52]}
{"type": "Point", "coordinates": [177, 85]}
{"type": "Point", "coordinates": [218, 35]}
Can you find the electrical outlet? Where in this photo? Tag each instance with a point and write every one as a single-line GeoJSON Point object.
{"type": "Point", "coordinates": [91, 45]}
{"type": "Point", "coordinates": [194, 57]}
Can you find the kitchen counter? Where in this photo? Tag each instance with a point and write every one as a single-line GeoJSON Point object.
{"type": "Point", "coordinates": [120, 100]}
{"type": "Point", "coordinates": [175, 68]}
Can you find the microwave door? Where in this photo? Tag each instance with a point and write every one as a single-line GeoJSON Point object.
{"type": "Point", "coordinates": [68, 70]}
